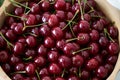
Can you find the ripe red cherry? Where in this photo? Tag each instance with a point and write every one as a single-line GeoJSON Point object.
{"type": "Point", "coordinates": [53, 56]}
{"type": "Point", "coordinates": [18, 11]}
{"type": "Point", "coordinates": [112, 59]}
{"type": "Point", "coordinates": [84, 26]}
{"type": "Point", "coordinates": [2, 43]}
{"type": "Point", "coordinates": [9, 21]}
{"type": "Point", "coordinates": [6, 67]}
{"type": "Point", "coordinates": [98, 26]}
{"type": "Point", "coordinates": [85, 75]}
{"type": "Point", "coordinates": [46, 78]}
{"type": "Point", "coordinates": [64, 61]}
{"type": "Point", "coordinates": [60, 5]}
{"type": "Point", "coordinates": [18, 48]}
{"type": "Point", "coordinates": [53, 21]}
{"type": "Point", "coordinates": [73, 78]}
{"type": "Point", "coordinates": [31, 41]}
{"type": "Point", "coordinates": [35, 8]}
{"type": "Point", "coordinates": [45, 5]}
{"type": "Point", "coordinates": [92, 64]}
{"type": "Point", "coordinates": [54, 69]}
{"type": "Point", "coordinates": [18, 29]}
{"type": "Point", "coordinates": [44, 72]}
{"type": "Point", "coordinates": [30, 69]}
{"type": "Point", "coordinates": [113, 48]}
{"type": "Point", "coordinates": [87, 17]}
{"type": "Point", "coordinates": [10, 35]}
{"type": "Point", "coordinates": [20, 67]}
{"type": "Point", "coordinates": [57, 33]}
{"type": "Point", "coordinates": [30, 53]}
{"type": "Point", "coordinates": [17, 77]}
{"type": "Point", "coordinates": [109, 67]}
{"type": "Point", "coordinates": [73, 70]}
{"type": "Point", "coordinates": [103, 41]}
{"type": "Point", "coordinates": [31, 20]}
{"type": "Point", "coordinates": [42, 50]}
{"type": "Point", "coordinates": [69, 15]}
{"type": "Point", "coordinates": [94, 48]}
{"type": "Point", "coordinates": [3, 56]}
{"type": "Point", "coordinates": [77, 61]}
{"type": "Point", "coordinates": [113, 31]}
{"type": "Point", "coordinates": [49, 42]}
{"type": "Point", "coordinates": [40, 61]}
{"type": "Point", "coordinates": [60, 44]}
{"type": "Point", "coordinates": [35, 31]}
{"type": "Point", "coordinates": [45, 17]}
{"type": "Point", "coordinates": [94, 35]}
{"type": "Point", "coordinates": [14, 60]}
{"type": "Point", "coordinates": [59, 78]}
{"type": "Point", "coordinates": [60, 14]}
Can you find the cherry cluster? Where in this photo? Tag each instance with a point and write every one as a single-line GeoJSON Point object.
{"type": "Point", "coordinates": [58, 40]}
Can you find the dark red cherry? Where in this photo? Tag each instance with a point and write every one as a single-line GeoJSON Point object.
{"type": "Point", "coordinates": [85, 75]}
{"type": "Point", "coordinates": [73, 70]}
{"type": "Point", "coordinates": [99, 58]}
{"type": "Point", "coordinates": [77, 61]}
{"type": "Point", "coordinates": [30, 69]}
{"type": "Point", "coordinates": [92, 64]}
{"type": "Point", "coordinates": [38, 18]}
{"type": "Point", "coordinates": [6, 67]}
{"type": "Point", "coordinates": [103, 41]}
{"type": "Point", "coordinates": [44, 72]}
{"type": "Point", "coordinates": [42, 50]}
{"type": "Point", "coordinates": [9, 21]}
{"type": "Point", "coordinates": [30, 53]}
{"type": "Point", "coordinates": [60, 44]}
{"type": "Point", "coordinates": [53, 56]}
{"type": "Point", "coordinates": [4, 56]}
{"type": "Point", "coordinates": [87, 17]}
{"type": "Point", "coordinates": [31, 20]}
{"type": "Point", "coordinates": [20, 67]}
{"type": "Point", "coordinates": [18, 48]}
{"type": "Point", "coordinates": [64, 61]}
{"type": "Point", "coordinates": [17, 77]}
{"type": "Point", "coordinates": [40, 61]}
{"type": "Point", "coordinates": [49, 42]}
{"type": "Point", "coordinates": [61, 15]}
{"type": "Point", "coordinates": [68, 35]}
{"type": "Point", "coordinates": [94, 35]}
{"type": "Point", "coordinates": [53, 20]}
{"type": "Point", "coordinates": [73, 78]}
{"type": "Point", "coordinates": [45, 30]}
{"type": "Point", "coordinates": [96, 78]}
{"type": "Point", "coordinates": [113, 31]}
{"type": "Point", "coordinates": [94, 48]}
{"type": "Point", "coordinates": [31, 41]}
{"type": "Point", "coordinates": [10, 35]}
{"type": "Point", "coordinates": [35, 31]}
{"type": "Point", "coordinates": [59, 78]}
{"type": "Point", "coordinates": [35, 8]}
{"type": "Point", "coordinates": [2, 43]}
{"type": "Point", "coordinates": [109, 67]}
{"type": "Point", "coordinates": [14, 60]}
{"type": "Point", "coordinates": [75, 7]}
{"type": "Point", "coordinates": [113, 48]}
{"type": "Point", "coordinates": [54, 69]}
{"type": "Point", "coordinates": [60, 5]}
{"type": "Point", "coordinates": [69, 15]}
{"type": "Point", "coordinates": [45, 17]}
{"type": "Point", "coordinates": [85, 54]}
{"type": "Point", "coordinates": [18, 29]}
{"type": "Point", "coordinates": [46, 78]}
{"type": "Point", "coordinates": [45, 5]}
{"type": "Point", "coordinates": [68, 7]}
{"type": "Point", "coordinates": [84, 26]}
{"type": "Point", "coordinates": [18, 11]}
{"type": "Point", "coordinates": [57, 33]}
{"type": "Point", "coordinates": [112, 59]}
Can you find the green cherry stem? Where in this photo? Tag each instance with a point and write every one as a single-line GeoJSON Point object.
{"type": "Point", "coordinates": [72, 30]}
{"type": "Point", "coordinates": [63, 73]}
{"type": "Point", "coordinates": [85, 1]}
{"type": "Point", "coordinates": [13, 1]}
{"type": "Point", "coordinates": [79, 74]}
{"type": "Point", "coordinates": [25, 7]}
{"type": "Point", "coordinates": [6, 40]}
{"type": "Point", "coordinates": [19, 72]}
{"type": "Point", "coordinates": [36, 71]}
{"type": "Point", "coordinates": [27, 59]}
{"type": "Point", "coordinates": [107, 34]}
{"type": "Point", "coordinates": [81, 11]}
{"type": "Point", "coordinates": [31, 34]}
{"type": "Point", "coordinates": [88, 48]}
{"type": "Point", "coordinates": [69, 40]}
{"type": "Point", "coordinates": [71, 20]}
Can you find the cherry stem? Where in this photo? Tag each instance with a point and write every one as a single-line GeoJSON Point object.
{"type": "Point", "coordinates": [25, 7]}
{"type": "Point", "coordinates": [79, 74]}
{"type": "Point", "coordinates": [69, 40]}
{"type": "Point", "coordinates": [97, 16]}
{"type": "Point", "coordinates": [88, 48]}
{"type": "Point", "coordinates": [13, 1]}
{"type": "Point", "coordinates": [19, 72]}
{"type": "Point", "coordinates": [36, 71]}
{"type": "Point", "coordinates": [71, 20]}
{"type": "Point", "coordinates": [107, 34]}
{"type": "Point", "coordinates": [6, 40]}
{"type": "Point", "coordinates": [92, 9]}
{"type": "Point", "coordinates": [72, 30]}
{"type": "Point", "coordinates": [81, 11]}
{"type": "Point", "coordinates": [31, 26]}
{"type": "Point", "coordinates": [63, 73]}
{"type": "Point", "coordinates": [26, 59]}
{"type": "Point", "coordinates": [31, 34]}
{"type": "Point", "coordinates": [85, 1]}
{"type": "Point", "coordinates": [73, 2]}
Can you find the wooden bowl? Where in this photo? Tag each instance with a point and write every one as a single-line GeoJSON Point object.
{"type": "Point", "coordinates": [112, 13]}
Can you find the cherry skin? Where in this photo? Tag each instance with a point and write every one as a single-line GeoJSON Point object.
{"type": "Point", "coordinates": [31, 41]}
{"type": "Point", "coordinates": [113, 48]}
{"type": "Point", "coordinates": [85, 75]}
{"type": "Point", "coordinates": [60, 44]}
{"type": "Point", "coordinates": [113, 31]}
{"type": "Point", "coordinates": [20, 67]}
{"type": "Point", "coordinates": [44, 72]}
{"type": "Point", "coordinates": [6, 67]}
{"type": "Point", "coordinates": [18, 28]}
{"type": "Point", "coordinates": [57, 33]}
{"type": "Point", "coordinates": [42, 50]}
{"type": "Point", "coordinates": [112, 59]}
{"type": "Point", "coordinates": [54, 69]}
{"type": "Point", "coordinates": [35, 8]}
{"type": "Point", "coordinates": [64, 61]}
{"type": "Point", "coordinates": [45, 6]}
{"type": "Point", "coordinates": [92, 64]}
{"type": "Point", "coordinates": [73, 70]}
{"type": "Point", "coordinates": [45, 17]}
{"type": "Point", "coordinates": [10, 35]}
{"type": "Point", "coordinates": [17, 77]}
{"type": "Point", "coordinates": [69, 15]}
{"type": "Point", "coordinates": [9, 21]}
{"type": "Point", "coordinates": [3, 56]}
{"type": "Point", "coordinates": [31, 20]}
{"type": "Point", "coordinates": [60, 5]}
{"type": "Point", "coordinates": [36, 31]}
{"type": "Point", "coordinates": [109, 67]}
{"type": "Point", "coordinates": [60, 14]}
{"type": "Point", "coordinates": [30, 69]}
{"type": "Point", "coordinates": [84, 26]}
{"type": "Point", "coordinates": [14, 60]}
{"type": "Point", "coordinates": [53, 56]}
{"type": "Point", "coordinates": [46, 78]}
{"type": "Point", "coordinates": [53, 20]}
{"type": "Point", "coordinates": [40, 61]}
{"type": "Point", "coordinates": [59, 78]}
{"type": "Point", "coordinates": [49, 42]}
{"type": "Point", "coordinates": [94, 48]}
{"type": "Point", "coordinates": [94, 35]}
{"type": "Point", "coordinates": [18, 11]}
{"type": "Point", "coordinates": [30, 53]}
{"type": "Point", "coordinates": [77, 60]}
{"type": "Point", "coordinates": [103, 41]}
{"type": "Point", "coordinates": [73, 78]}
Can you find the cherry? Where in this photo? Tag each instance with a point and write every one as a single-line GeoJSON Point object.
{"type": "Point", "coordinates": [14, 60]}
{"type": "Point", "coordinates": [49, 42]}
{"type": "Point", "coordinates": [69, 15]}
{"type": "Point", "coordinates": [87, 17]}
{"type": "Point", "coordinates": [18, 29]}
{"type": "Point", "coordinates": [45, 6]}
{"type": "Point", "coordinates": [113, 48]}
{"type": "Point", "coordinates": [6, 67]}
{"type": "Point", "coordinates": [85, 54]}
{"type": "Point", "coordinates": [31, 20]}
{"type": "Point", "coordinates": [94, 35]}
{"type": "Point", "coordinates": [9, 21]}
{"type": "Point", "coordinates": [62, 24]}
{"type": "Point", "coordinates": [45, 30]}
{"type": "Point", "coordinates": [103, 41]}
{"type": "Point", "coordinates": [60, 5]}
{"type": "Point", "coordinates": [95, 78]}
{"type": "Point", "coordinates": [92, 64]}
{"type": "Point", "coordinates": [84, 26]}
{"type": "Point", "coordinates": [112, 59]}
{"type": "Point", "coordinates": [4, 56]}
{"type": "Point", "coordinates": [39, 61]}
{"type": "Point", "coordinates": [42, 50]}
{"type": "Point", "coordinates": [10, 35]}
{"type": "Point", "coordinates": [68, 7]}
{"type": "Point", "coordinates": [99, 58]}
{"type": "Point", "coordinates": [68, 35]}
{"type": "Point", "coordinates": [75, 7]}
{"type": "Point", "coordinates": [59, 78]}
{"type": "Point", "coordinates": [73, 78]}
{"type": "Point", "coordinates": [85, 75]}
{"type": "Point", "coordinates": [53, 56]}
{"type": "Point", "coordinates": [30, 53]}
{"type": "Point", "coordinates": [54, 69]}
{"type": "Point", "coordinates": [113, 31]}
{"type": "Point", "coordinates": [45, 17]}
{"type": "Point", "coordinates": [38, 18]}
{"type": "Point", "coordinates": [20, 67]}
{"type": "Point", "coordinates": [94, 48]}
{"type": "Point", "coordinates": [31, 41]}
{"type": "Point", "coordinates": [57, 33]}
{"type": "Point", "coordinates": [35, 31]}
{"type": "Point", "coordinates": [101, 72]}
{"type": "Point", "coordinates": [44, 72]}
{"type": "Point", "coordinates": [60, 44]}
{"type": "Point", "coordinates": [109, 67]}
{"type": "Point", "coordinates": [64, 61]}
{"type": "Point", "coordinates": [17, 77]}
{"type": "Point", "coordinates": [18, 11]}
{"type": "Point", "coordinates": [53, 20]}
{"type": "Point", "coordinates": [35, 8]}
{"type": "Point", "coordinates": [77, 60]}
{"type": "Point", "coordinates": [46, 78]}
{"type": "Point", "coordinates": [18, 48]}
{"type": "Point", "coordinates": [30, 69]}
{"type": "Point", "coordinates": [75, 29]}
{"type": "Point", "coordinates": [60, 14]}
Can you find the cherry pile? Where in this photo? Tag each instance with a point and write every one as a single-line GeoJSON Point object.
{"type": "Point", "coordinates": [58, 40]}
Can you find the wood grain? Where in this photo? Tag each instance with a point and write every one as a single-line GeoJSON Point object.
{"type": "Point", "coordinates": [112, 13]}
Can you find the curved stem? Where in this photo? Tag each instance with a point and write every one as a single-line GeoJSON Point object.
{"type": "Point", "coordinates": [26, 59]}
{"type": "Point", "coordinates": [36, 71]}
{"type": "Point", "coordinates": [72, 30]}
{"type": "Point", "coordinates": [81, 10]}
{"type": "Point", "coordinates": [69, 40]}
{"type": "Point", "coordinates": [19, 72]}
{"type": "Point", "coordinates": [63, 73]}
